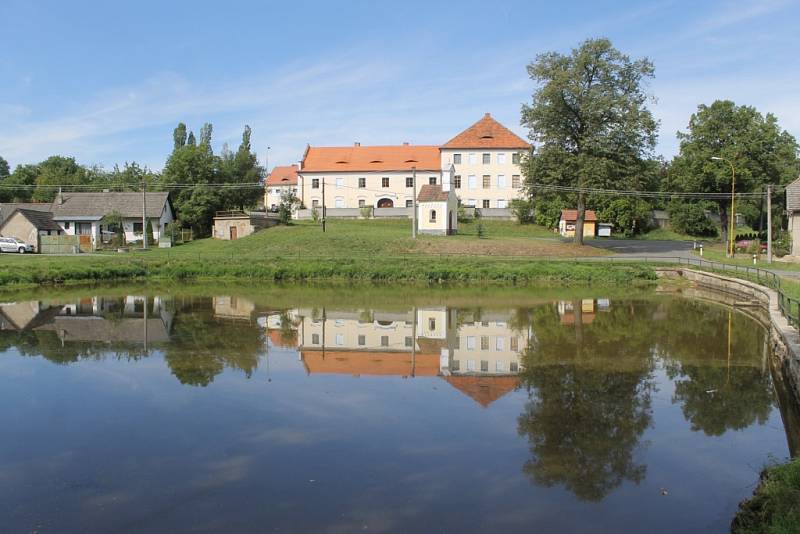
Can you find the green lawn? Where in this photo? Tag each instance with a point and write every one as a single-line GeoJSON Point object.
{"type": "Point", "coordinates": [716, 252]}
{"type": "Point", "coordinates": [348, 250]}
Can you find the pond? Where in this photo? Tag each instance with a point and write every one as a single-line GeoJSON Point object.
{"type": "Point", "coordinates": [336, 410]}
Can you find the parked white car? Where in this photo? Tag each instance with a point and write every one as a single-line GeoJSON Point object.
{"type": "Point", "coordinates": [12, 244]}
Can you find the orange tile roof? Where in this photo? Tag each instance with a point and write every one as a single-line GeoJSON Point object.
{"type": "Point", "coordinates": [572, 215]}
{"type": "Point", "coordinates": [487, 133]}
{"type": "Point", "coordinates": [483, 389]}
{"type": "Point", "coordinates": [373, 363]}
{"type": "Point", "coordinates": [432, 193]}
{"type": "Point", "coordinates": [359, 158]}
{"type": "Point", "coordinates": [283, 175]}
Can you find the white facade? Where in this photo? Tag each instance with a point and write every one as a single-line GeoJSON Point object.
{"type": "Point", "coordinates": [485, 177]}
{"type": "Point", "coordinates": [361, 189]}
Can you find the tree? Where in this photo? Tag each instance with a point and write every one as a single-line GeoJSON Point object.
{"type": "Point", "coordinates": [590, 119]}
{"type": "Point", "coordinates": [4, 170]}
{"type": "Point", "coordinates": [56, 171]}
{"type": "Point", "coordinates": [760, 151]}
{"type": "Point", "coordinates": [690, 218]}
{"type": "Point", "coordinates": [289, 203]}
{"type": "Point", "coordinates": [24, 177]}
{"type": "Point", "coordinates": [179, 136]}
{"type": "Point", "coordinates": [113, 223]}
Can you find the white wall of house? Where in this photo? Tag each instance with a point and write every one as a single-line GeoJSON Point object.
{"type": "Point", "coordinates": [274, 194]}
{"type": "Point", "coordinates": [344, 190]}
{"type": "Point", "coordinates": [504, 176]}
{"type": "Point", "coordinates": [427, 224]}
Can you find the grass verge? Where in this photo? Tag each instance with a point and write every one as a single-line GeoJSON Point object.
{"type": "Point", "coordinates": [775, 505]}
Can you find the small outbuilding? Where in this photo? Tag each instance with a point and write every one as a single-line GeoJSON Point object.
{"type": "Point", "coordinates": [231, 225]}
{"type": "Point", "coordinates": [29, 225]}
{"type": "Point", "coordinates": [569, 218]}
{"type": "Point", "coordinates": [437, 207]}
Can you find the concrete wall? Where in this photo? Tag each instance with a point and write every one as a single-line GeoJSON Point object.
{"type": "Point", "coordinates": [392, 212]}
{"type": "Point", "coordinates": [498, 192]}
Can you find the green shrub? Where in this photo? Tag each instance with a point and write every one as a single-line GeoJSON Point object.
{"type": "Point", "coordinates": [547, 211]}
{"type": "Point", "coordinates": [690, 218]}
{"type": "Point", "coordinates": [522, 210]}
{"type": "Point", "coordinates": [366, 212]}
{"type": "Point", "coordinates": [630, 216]}
{"type": "Point", "coordinates": [481, 231]}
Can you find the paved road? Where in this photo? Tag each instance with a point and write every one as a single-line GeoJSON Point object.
{"type": "Point", "coordinates": [642, 247]}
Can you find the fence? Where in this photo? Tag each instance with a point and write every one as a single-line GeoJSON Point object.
{"type": "Point", "coordinates": [59, 244]}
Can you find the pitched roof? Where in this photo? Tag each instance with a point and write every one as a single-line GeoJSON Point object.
{"type": "Point", "coordinates": [483, 389]}
{"type": "Point", "coordinates": [371, 158]}
{"type": "Point", "coordinates": [432, 193]}
{"type": "Point", "coordinates": [41, 220]}
{"type": "Point", "coordinates": [370, 363]}
{"type": "Point", "coordinates": [487, 133]}
{"type": "Point", "coordinates": [283, 175]}
{"type": "Point", "coordinates": [7, 209]}
{"type": "Point", "coordinates": [793, 196]}
{"type": "Point", "coordinates": [101, 204]}
{"type": "Point", "coordinates": [572, 215]}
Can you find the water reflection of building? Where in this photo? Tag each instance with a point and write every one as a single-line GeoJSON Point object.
{"type": "Point", "coordinates": [477, 354]}
{"type": "Point", "coordinates": [129, 319]}
{"type": "Point", "coordinates": [233, 307]}
{"type": "Point", "coordinates": [586, 309]}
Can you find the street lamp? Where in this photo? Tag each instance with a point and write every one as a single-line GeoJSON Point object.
{"type": "Point", "coordinates": [731, 237]}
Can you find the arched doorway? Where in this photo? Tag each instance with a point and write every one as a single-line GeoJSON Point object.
{"type": "Point", "coordinates": [385, 203]}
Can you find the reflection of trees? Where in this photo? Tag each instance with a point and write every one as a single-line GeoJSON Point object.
{"type": "Point", "coordinates": [202, 347]}
{"type": "Point", "coordinates": [590, 384]}
{"type": "Point", "coordinates": [589, 387]}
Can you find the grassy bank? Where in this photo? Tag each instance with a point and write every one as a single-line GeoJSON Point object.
{"type": "Point", "coordinates": [422, 269]}
{"type": "Point", "coordinates": [775, 505]}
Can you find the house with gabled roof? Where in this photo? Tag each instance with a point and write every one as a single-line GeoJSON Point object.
{"type": "Point", "coordinates": [280, 181]}
{"type": "Point", "coordinates": [79, 213]}
{"type": "Point", "coordinates": [30, 225]}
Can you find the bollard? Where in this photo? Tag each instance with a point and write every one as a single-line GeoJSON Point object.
{"type": "Point", "coordinates": [755, 259]}
{"type": "Point", "coordinates": [701, 250]}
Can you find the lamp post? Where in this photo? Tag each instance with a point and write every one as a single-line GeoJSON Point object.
{"type": "Point", "coordinates": [731, 237]}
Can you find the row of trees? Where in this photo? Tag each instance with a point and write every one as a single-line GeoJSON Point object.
{"type": "Point", "coordinates": [192, 173]}
{"type": "Point", "coordinates": [592, 129]}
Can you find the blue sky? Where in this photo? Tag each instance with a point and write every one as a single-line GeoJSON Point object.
{"type": "Point", "coordinates": [107, 82]}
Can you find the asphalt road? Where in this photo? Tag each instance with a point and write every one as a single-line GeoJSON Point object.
{"type": "Point", "coordinates": [642, 247]}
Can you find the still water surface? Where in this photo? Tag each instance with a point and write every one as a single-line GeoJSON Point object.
{"type": "Point", "coordinates": [235, 412]}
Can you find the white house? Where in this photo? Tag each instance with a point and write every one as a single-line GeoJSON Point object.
{"type": "Point", "coordinates": [82, 213]}
{"type": "Point", "coordinates": [281, 180]}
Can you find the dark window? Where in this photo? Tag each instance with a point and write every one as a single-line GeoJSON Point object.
{"type": "Point", "coordinates": [362, 183]}
{"type": "Point", "coordinates": [362, 340]}
{"type": "Point", "coordinates": [433, 216]}
{"type": "Point", "coordinates": [384, 182]}
{"type": "Point", "coordinates": [515, 158]}
{"type": "Point", "coordinates": [409, 341]}
{"type": "Point", "coordinates": [457, 181]}
{"type": "Point", "coordinates": [455, 366]}
{"type": "Point", "coordinates": [409, 203]}
{"type": "Point", "coordinates": [137, 228]}
{"type": "Point", "coordinates": [487, 181]}
{"type": "Point", "coordinates": [384, 341]}
{"type": "Point", "coordinates": [487, 159]}
{"type": "Point", "coordinates": [456, 159]}
{"type": "Point", "coordinates": [432, 321]}
{"type": "Point", "coordinates": [362, 203]}
{"type": "Point", "coordinates": [315, 339]}
{"type": "Point", "coordinates": [485, 203]}
{"type": "Point", "coordinates": [66, 225]}
{"type": "Point", "coordinates": [432, 180]}
{"type": "Point", "coordinates": [514, 367]}
{"type": "Point", "coordinates": [315, 183]}
{"type": "Point", "coordinates": [515, 182]}
{"type": "Point", "coordinates": [409, 182]}
{"type": "Point", "coordinates": [484, 366]}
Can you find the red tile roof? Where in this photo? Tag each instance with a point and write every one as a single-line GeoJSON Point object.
{"type": "Point", "coordinates": [283, 175]}
{"type": "Point", "coordinates": [359, 158]}
{"type": "Point", "coordinates": [432, 193]}
{"type": "Point", "coordinates": [487, 133]}
{"type": "Point", "coordinates": [483, 389]}
{"type": "Point", "coordinates": [370, 363]}
{"type": "Point", "coordinates": [572, 215]}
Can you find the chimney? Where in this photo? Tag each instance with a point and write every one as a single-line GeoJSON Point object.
{"type": "Point", "coordinates": [405, 143]}
{"type": "Point", "coordinates": [487, 115]}
{"type": "Point", "coordinates": [59, 198]}
{"type": "Point", "coordinates": [356, 144]}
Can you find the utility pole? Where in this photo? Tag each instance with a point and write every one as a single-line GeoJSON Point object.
{"type": "Point", "coordinates": [414, 203]}
{"type": "Point", "coordinates": [769, 223]}
{"type": "Point", "coordinates": [144, 214]}
{"type": "Point", "coordinates": [324, 213]}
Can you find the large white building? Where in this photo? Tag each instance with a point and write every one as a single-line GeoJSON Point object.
{"type": "Point", "coordinates": [484, 158]}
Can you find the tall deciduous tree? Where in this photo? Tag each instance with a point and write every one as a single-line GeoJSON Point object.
{"type": "Point", "coordinates": [5, 172]}
{"type": "Point", "coordinates": [589, 117]}
{"type": "Point", "coordinates": [56, 171]}
{"type": "Point", "coordinates": [760, 151]}
{"type": "Point", "coordinates": [179, 136]}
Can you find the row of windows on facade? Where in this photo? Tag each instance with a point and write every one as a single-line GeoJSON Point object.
{"type": "Point", "coordinates": [470, 203]}
{"type": "Point", "coordinates": [470, 342]}
{"type": "Point", "coordinates": [86, 228]}
{"type": "Point", "coordinates": [472, 182]}
{"type": "Point", "coordinates": [499, 366]}
{"type": "Point", "coordinates": [486, 158]}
